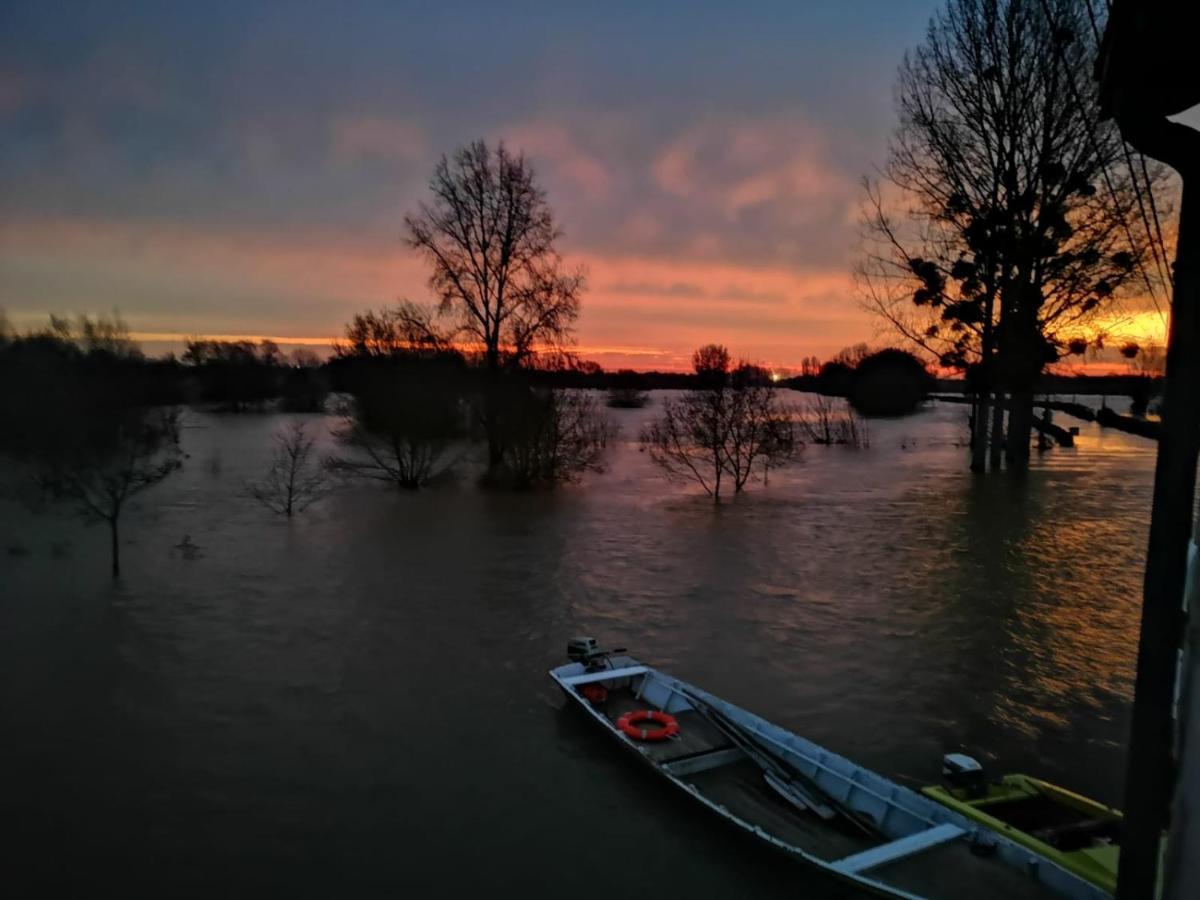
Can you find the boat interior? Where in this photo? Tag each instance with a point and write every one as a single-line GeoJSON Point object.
{"type": "Point", "coordinates": [1045, 816]}
{"type": "Point", "coordinates": [900, 843]}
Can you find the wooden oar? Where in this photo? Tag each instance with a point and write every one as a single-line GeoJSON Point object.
{"type": "Point", "coordinates": [796, 795]}
{"type": "Point", "coordinates": [781, 780]}
{"type": "Point", "coordinates": [782, 776]}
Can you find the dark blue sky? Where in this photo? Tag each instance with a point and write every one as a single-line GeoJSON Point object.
{"type": "Point", "coordinates": [244, 167]}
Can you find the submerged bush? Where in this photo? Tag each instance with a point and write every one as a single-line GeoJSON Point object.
{"type": "Point", "coordinates": [550, 436]}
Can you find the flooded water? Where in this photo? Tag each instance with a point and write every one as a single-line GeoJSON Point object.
{"type": "Point", "coordinates": [355, 703]}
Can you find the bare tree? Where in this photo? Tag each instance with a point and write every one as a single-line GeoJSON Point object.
{"type": "Point", "coordinates": [728, 426]}
{"type": "Point", "coordinates": [85, 427]}
{"type": "Point", "coordinates": [761, 434]}
{"type": "Point", "coordinates": [405, 329]}
{"type": "Point", "coordinates": [114, 462]}
{"type": "Point", "coordinates": [401, 435]}
{"type": "Point", "coordinates": [295, 479]}
{"type": "Point", "coordinates": [490, 238]}
{"type": "Point", "coordinates": [829, 421]}
{"type": "Point", "coordinates": [553, 436]}
{"type": "Point", "coordinates": [1018, 225]}
{"type": "Point", "coordinates": [406, 415]}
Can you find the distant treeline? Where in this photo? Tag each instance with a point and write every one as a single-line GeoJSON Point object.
{"type": "Point", "coordinates": [243, 375]}
{"type": "Point", "coordinates": [228, 375]}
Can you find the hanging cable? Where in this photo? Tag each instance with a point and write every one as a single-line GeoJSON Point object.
{"type": "Point", "coordinates": [1091, 133]}
{"type": "Point", "coordinates": [1157, 243]}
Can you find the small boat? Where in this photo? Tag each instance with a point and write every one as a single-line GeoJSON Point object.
{"type": "Point", "coordinates": [801, 799]}
{"type": "Point", "coordinates": [1079, 834]}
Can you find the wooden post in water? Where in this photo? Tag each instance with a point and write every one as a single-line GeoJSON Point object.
{"type": "Point", "coordinates": [1146, 74]}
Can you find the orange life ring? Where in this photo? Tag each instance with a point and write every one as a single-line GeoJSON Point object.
{"type": "Point", "coordinates": [628, 724]}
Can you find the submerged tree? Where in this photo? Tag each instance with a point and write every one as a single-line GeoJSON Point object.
{"type": "Point", "coordinates": [124, 452]}
{"type": "Point", "coordinates": [237, 375]}
{"type": "Point", "coordinates": [728, 427]}
{"type": "Point", "coordinates": [89, 436]}
{"type": "Point", "coordinates": [761, 435]}
{"type": "Point", "coordinates": [829, 421]}
{"type": "Point", "coordinates": [889, 382]}
{"type": "Point", "coordinates": [552, 436]}
{"type": "Point", "coordinates": [1018, 223]}
{"type": "Point", "coordinates": [405, 416]}
{"type": "Point", "coordinates": [627, 391]}
{"type": "Point", "coordinates": [490, 238]}
{"type": "Point", "coordinates": [296, 478]}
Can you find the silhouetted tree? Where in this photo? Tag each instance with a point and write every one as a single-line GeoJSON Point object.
{"type": "Point", "coordinates": [490, 239]}
{"type": "Point", "coordinates": [552, 436]}
{"type": "Point", "coordinates": [404, 418]}
{"type": "Point", "coordinates": [711, 364]}
{"type": "Point", "coordinates": [296, 478]}
{"type": "Point", "coordinates": [305, 358]}
{"type": "Point", "coordinates": [761, 435]}
{"type": "Point", "coordinates": [125, 452]}
{"type": "Point", "coordinates": [889, 382]}
{"type": "Point", "coordinates": [104, 335]}
{"type": "Point", "coordinates": [851, 356]}
{"type": "Point", "coordinates": [1147, 363]}
{"type": "Point", "coordinates": [627, 398]}
{"type": "Point", "coordinates": [405, 329]}
{"type": "Point", "coordinates": [305, 384]}
{"type": "Point", "coordinates": [627, 392]}
{"type": "Point", "coordinates": [1018, 201]}
{"type": "Point", "coordinates": [828, 421]}
{"type": "Point", "coordinates": [728, 426]}
{"type": "Point", "coordinates": [89, 435]}
{"type": "Point", "coordinates": [238, 375]}
{"type": "Point", "coordinates": [835, 377]}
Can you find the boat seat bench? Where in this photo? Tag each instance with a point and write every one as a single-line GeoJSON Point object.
{"type": "Point", "coordinates": [703, 760]}
{"type": "Point", "coordinates": [897, 849]}
{"type": "Point", "coordinates": [604, 675]}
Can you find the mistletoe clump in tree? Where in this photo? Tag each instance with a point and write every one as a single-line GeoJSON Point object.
{"type": "Point", "coordinates": [1018, 221]}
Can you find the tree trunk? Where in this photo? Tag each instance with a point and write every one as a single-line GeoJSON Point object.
{"type": "Point", "coordinates": [997, 446]}
{"type": "Point", "coordinates": [979, 432]}
{"type": "Point", "coordinates": [491, 421]}
{"type": "Point", "coordinates": [984, 378]}
{"type": "Point", "coordinates": [116, 547]}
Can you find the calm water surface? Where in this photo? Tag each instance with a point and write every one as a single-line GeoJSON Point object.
{"type": "Point", "coordinates": [355, 704]}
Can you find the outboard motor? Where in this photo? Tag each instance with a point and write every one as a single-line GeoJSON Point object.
{"type": "Point", "coordinates": [965, 773]}
{"type": "Point", "coordinates": [587, 650]}
{"type": "Point", "coordinates": [582, 649]}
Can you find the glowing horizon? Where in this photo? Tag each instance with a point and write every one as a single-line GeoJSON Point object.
{"type": "Point", "coordinates": [226, 170]}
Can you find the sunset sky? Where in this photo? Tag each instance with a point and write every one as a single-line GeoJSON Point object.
{"type": "Point", "coordinates": [244, 168]}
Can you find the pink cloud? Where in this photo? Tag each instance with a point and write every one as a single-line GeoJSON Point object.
{"type": "Point", "coordinates": [734, 165]}
{"type": "Point", "coordinates": [560, 154]}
